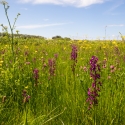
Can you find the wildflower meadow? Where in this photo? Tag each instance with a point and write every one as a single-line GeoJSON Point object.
{"type": "Point", "coordinates": [61, 82]}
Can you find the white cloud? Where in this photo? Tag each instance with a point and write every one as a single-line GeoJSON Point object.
{"type": "Point", "coordinates": [116, 25]}
{"type": "Point", "coordinates": [24, 8]}
{"type": "Point", "coordinates": [39, 26]}
{"type": "Point", "coordinates": [116, 5]}
{"type": "Point", "coordinates": [77, 3]}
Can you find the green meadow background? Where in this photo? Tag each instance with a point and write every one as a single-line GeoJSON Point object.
{"type": "Point", "coordinates": [60, 99]}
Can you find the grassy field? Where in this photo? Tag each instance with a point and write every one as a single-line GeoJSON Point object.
{"type": "Point", "coordinates": [46, 82]}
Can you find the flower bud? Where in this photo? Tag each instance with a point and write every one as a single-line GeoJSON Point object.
{"type": "Point", "coordinates": [3, 2]}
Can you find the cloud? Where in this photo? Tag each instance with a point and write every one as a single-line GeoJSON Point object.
{"type": "Point", "coordinates": [117, 4]}
{"type": "Point", "coordinates": [40, 26]}
{"type": "Point", "coordinates": [24, 8]}
{"type": "Point", "coordinates": [120, 25]}
{"type": "Point", "coordinates": [77, 3]}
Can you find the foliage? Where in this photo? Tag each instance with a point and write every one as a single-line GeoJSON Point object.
{"type": "Point", "coordinates": [31, 94]}
{"type": "Point", "coordinates": [57, 37]}
{"type": "Point", "coordinates": [48, 80]}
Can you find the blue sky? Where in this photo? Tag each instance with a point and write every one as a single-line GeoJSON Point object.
{"type": "Point", "coordinates": [67, 18]}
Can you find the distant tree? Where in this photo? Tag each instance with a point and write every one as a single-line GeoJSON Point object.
{"type": "Point", "coordinates": [24, 36]}
{"type": "Point", "coordinates": [66, 38]}
{"type": "Point", "coordinates": [57, 37]}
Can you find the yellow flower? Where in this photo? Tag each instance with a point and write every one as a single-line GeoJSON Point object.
{"type": "Point", "coordinates": [26, 87]}
{"type": "Point", "coordinates": [2, 72]}
{"type": "Point", "coordinates": [1, 62]}
{"type": "Point", "coordinates": [105, 59]}
{"type": "Point", "coordinates": [80, 41]}
{"type": "Point", "coordinates": [114, 42]}
{"type": "Point", "coordinates": [26, 47]}
{"type": "Point", "coordinates": [6, 46]}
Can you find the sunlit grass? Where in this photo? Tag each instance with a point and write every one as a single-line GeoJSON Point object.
{"type": "Point", "coordinates": [61, 98]}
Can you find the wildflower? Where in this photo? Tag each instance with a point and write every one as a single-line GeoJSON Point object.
{"type": "Point", "coordinates": [27, 63]}
{"type": "Point", "coordinates": [64, 48]}
{"type": "Point", "coordinates": [44, 65]}
{"type": "Point", "coordinates": [85, 68]}
{"type": "Point", "coordinates": [74, 57]}
{"type": "Point", "coordinates": [35, 72]}
{"type": "Point", "coordinates": [24, 93]}
{"type": "Point", "coordinates": [26, 47]}
{"type": "Point", "coordinates": [5, 27]}
{"type": "Point", "coordinates": [117, 51]}
{"type": "Point", "coordinates": [1, 62]}
{"type": "Point", "coordinates": [94, 89]}
{"type": "Point", "coordinates": [56, 56]}
{"type": "Point", "coordinates": [112, 67]}
{"type": "Point", "coordinates": [3, 2]}
{"type": "Point", "coordinates": [25, 96]}
{"type": "Point", "coordinates": [104, 65]}
{"type": "Point", "coordinates": [34, 59]}
{"type": "Point", "coordinates": [74, 53]}
{"type": "Point", "coordinates": [112, 71]}
{"type": "Point", "coordinates": [26, 53]}
{"type": "Point", "coordinates": [105, 59]}
{"type": "Point", "coordinates": [26, 87]}
{"type": "Point", "coordinates": [109, 77]}
{"type": "Point", "coordinates": [51, 63]}
{"type": "Point", "coordinates": [36, 76]}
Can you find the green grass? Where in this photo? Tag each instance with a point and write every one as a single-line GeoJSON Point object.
{"type": "Point", "coordinates": [61, 99]}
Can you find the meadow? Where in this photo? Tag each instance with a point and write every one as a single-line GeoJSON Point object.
{"type": "Point", "coordinates": [62, 82]}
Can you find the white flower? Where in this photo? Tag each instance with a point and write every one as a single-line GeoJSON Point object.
{"type": "Point", "coordinates": [3, 2]}
{"type": "Point", "coordinates": [5, 27]}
